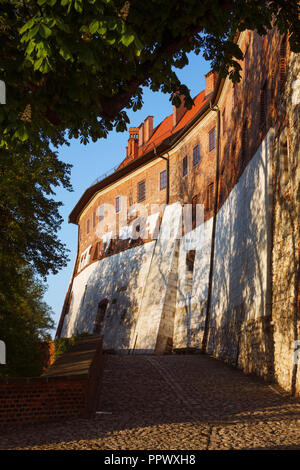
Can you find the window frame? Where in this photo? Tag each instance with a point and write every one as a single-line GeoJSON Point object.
{"type": "Point", "coordinates": [212, 139]}
{"type": "Point", "coordinates": [101, 216]}
{"type": "Point", "coordinates": [163, 180]}
{"type": "Point", "coordinates": [185, 167]}
{"type": "Point", "coordinates": [197, 154]}
{"type": "Point", "coordinates": [118, 204]}
{"type": "Point", "coordinates": [141, 197]}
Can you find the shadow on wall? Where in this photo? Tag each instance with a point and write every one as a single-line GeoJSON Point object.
{"type": "Point", "coordinates": [112, 294]}
{"type": "Point", "coordinates": [240, 328]}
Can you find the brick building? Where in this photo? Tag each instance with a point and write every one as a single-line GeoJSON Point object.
{"type": "Point", "coordinates": [150, 283]}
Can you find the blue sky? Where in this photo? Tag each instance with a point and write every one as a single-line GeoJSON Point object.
{"type": "Point", "coordinates": [92, 160]}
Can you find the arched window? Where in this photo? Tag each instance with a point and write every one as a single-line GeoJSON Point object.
{"type": "Point", "coordinates": [102, 306]}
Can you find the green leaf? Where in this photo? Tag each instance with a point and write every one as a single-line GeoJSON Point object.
{"type": "Point", "coordinates": [30, 47]}
{"type": "Point", "coordinates": [33, 32]}
{"type": "Point", "coordinates": [127, 39]}
{"type": "Point", "coordinates": [38, 63]}
{"type": "Point", "coordinates": [21, 134]}
{"type": "Point", "coordinates": [94, 26]}
{"type": "Point", "coordinates": [65, 53]}
{"type": "Point", "coordinates": [78, 5]}
{"type": "Point", "coordinates": [27, 26]}
{"type": "Point", "coordinates": [44, 31]}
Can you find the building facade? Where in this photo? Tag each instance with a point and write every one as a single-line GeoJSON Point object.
{"type": "Point", "coordinates": [194, 240]}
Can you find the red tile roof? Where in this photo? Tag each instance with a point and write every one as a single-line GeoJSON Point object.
{"type": "Point", "coordinates": [165, 129]}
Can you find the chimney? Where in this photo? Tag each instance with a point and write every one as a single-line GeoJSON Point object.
{"type": "Point", "coordinates": [178, 112]}
{"type": "Point", "coordinates": [148, 128]}
{"type": "Point", "coordinates": [141, 135]}
{"type": "Point", "coordinates": [133, 143]}
{"type": "Point", "coordinates": [210, 82]}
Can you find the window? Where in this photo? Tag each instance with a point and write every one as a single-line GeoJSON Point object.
{"type": "Point", "coordinates": [284, 155]}
{"type": "Point", "coordinates": [196, 155]}
{"type": "Point", "coordinates": [190, 260]}
{"type": "Point", "coordinates": [141, 190]}
{"type": "Point", "coordinates": [263, 105]}
{"type": "Point", "coordinates": [212, 139]}
{"type": "Point", "coordinates": [163, 179]}
{"type": "Point", "coordinates": [118, 204]}
{"type": "Point", "coordinates": [194, 211]}
{"type": "Point", "coordinates": [102, 306]}
{"type": "Point", "coordinates": [210, 196]}
{"type": "Point", "coordinates": [88, 226]}
{"type": "Point", "coordinates": [185, 166]}
{"type": "Point", "coordinates": [94, 219]}
{"type": "Point", "coordinates": [223, 122]}
{"type": "Point", "coordinates": [246, 65]}
{"type": "Point", "coordinates": [101, 213]}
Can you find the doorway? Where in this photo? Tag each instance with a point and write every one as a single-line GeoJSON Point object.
{"type": "Point", "coordinates": [102, 306]}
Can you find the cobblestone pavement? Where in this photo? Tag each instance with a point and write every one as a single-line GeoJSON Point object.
{"type": "Point", "coordinates": [174, 402]}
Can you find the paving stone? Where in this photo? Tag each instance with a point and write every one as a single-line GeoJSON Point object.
{"type": "Point", "coordinates": [185, 402]}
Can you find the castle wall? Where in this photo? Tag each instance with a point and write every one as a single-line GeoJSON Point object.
{"type": "Point", "coordinates": [156, 301]}
{"type": "Point", "coordinates": [120, 279]}
{"type": "Point", "coordinates": [192, 289]}
{"type": "Point", "coordinates": [286, 235]}
{"type": "Point", "coordinates": [136, 317]}
{"type": "Point", "coordinates": [240, 314]}
{"type": "Point", "coordinates": [240, 323]}
{"type": "Point", "coordinates": [156, 318]}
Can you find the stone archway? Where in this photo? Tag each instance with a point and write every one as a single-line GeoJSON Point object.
{"type": "Point", "coordinates": [102, 306]}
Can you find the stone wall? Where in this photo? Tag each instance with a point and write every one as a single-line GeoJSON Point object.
{"type": "Point", "coordinates": [135, 315]}
{"type": "Point", "coordinates": [120, 279]}
{"type": "Point", "coordinates": [286, 234]}
{"type": "Point", "coordinates": [241, 282]}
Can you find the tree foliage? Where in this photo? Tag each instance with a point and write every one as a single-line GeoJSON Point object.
{"type": "Point", "coordinates": [76, 65]}
{"type": "Point", "coordinates": [29, 215]}
{"type": "Point", "coordinates": [29, 246]}
{"type": "Point", "coordinates": [25, 321]}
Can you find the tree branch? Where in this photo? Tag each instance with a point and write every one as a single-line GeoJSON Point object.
{"type": "Point", "coordinates": [111, 106]}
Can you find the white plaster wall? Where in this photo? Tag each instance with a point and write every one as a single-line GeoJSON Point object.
{"type": "Point", "coordinates": [120, 279]}
{"type": "Point", "coordinates": [241, 249]}
{"type": "Point", "coordinates": [156, 287]}
{"type": "Point", "coordinates": [192, 294]}
{"type": "Point", "coordinates": [240, 276]}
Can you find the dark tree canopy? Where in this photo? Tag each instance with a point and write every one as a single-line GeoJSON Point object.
{"type": "Point", "coordinates": [76, 65]}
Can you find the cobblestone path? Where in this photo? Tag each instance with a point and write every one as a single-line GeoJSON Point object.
{"type": "Point", "coordinates": [174, 402]}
